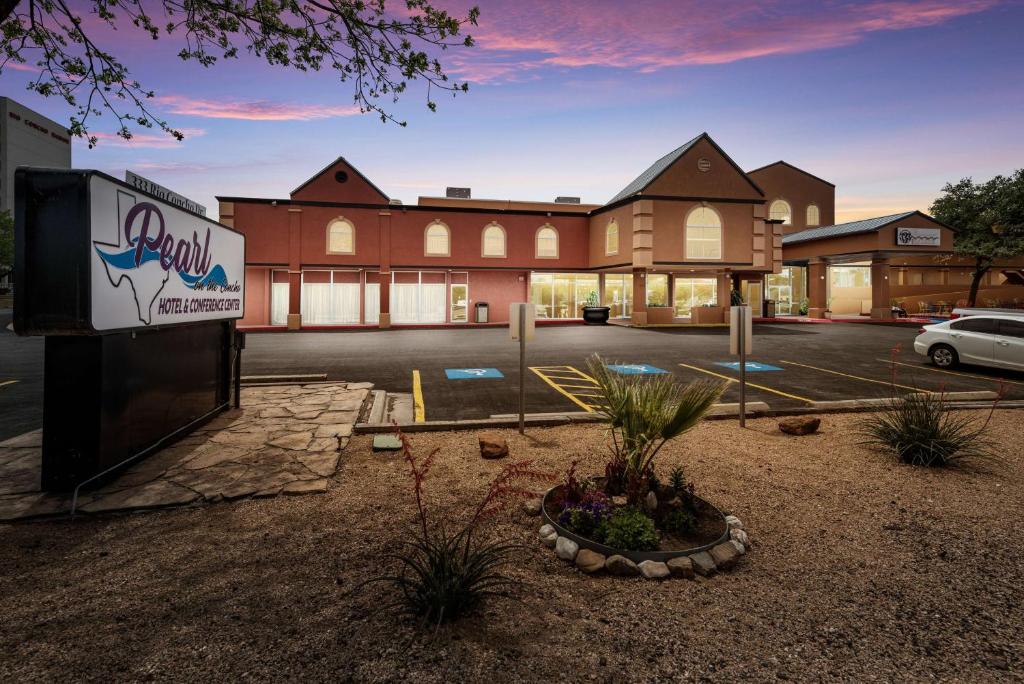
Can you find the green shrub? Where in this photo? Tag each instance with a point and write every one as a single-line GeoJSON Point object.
{"type": "Point", "coordinates": [920, 430]}
{"type": "Point", "coordinates": [629, 529]}
{"type": "Point", "coordinates": [680, 521]}
{"type": "Point", "coordinates": [677, 480]}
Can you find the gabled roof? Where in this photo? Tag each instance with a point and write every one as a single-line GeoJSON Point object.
{"type": "Point", "coordinates": [349, 165]}
{"type": "Point", "coordinates": [795, 168]}
{"type": "Point", "coordinates": [659, 167]}
{"type": "Point", "coordinates": [852, 228]}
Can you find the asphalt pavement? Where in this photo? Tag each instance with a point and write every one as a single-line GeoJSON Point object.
{"type": "Point", "coordinates": [474, 373]}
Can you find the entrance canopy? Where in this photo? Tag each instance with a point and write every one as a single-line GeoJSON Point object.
{"type": "Point", "coordinates": [911, 233]}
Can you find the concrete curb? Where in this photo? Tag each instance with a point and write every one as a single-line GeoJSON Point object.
{"type": "Point", "coordinates": [283, 379]}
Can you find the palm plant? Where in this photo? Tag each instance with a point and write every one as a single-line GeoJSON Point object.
{"type": "Point", "coordinates": [643, 414]}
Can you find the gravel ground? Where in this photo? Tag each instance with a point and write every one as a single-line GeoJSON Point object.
{"type": "Point", "coordinates": [862, 569]}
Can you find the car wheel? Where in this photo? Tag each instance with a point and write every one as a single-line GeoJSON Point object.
{"type": "Point", "coordinates": [944, 356]}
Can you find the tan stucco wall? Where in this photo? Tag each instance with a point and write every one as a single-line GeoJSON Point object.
{"type": "Point", "coordinates": [737, 233]}
{"type": "Point", "coordinates": [599, 224]}
{"type": "Point", "coordinates": [685, 179]}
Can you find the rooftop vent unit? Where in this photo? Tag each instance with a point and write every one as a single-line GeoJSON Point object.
{"type": "Point", "coordinates": [395, 202]}
{"type": "Point", "coordinates": [457, 193]}
{"type": "Point", "coordinates": [567, 200]}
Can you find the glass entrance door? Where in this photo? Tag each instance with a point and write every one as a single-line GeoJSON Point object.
{"type": "Point", "coordinates": [753, 295]}
{"type": "Point", "coordinates": [460, 303]}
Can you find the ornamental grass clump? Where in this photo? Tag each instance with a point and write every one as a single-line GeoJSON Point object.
{"type": "Point", "coordinates": [442, 574]}
{"type": "Point", "coordinates": [921, 429]}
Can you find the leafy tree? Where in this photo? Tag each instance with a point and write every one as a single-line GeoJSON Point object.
{"type": "Point", "coordinates": [6, 243]}
{"type": "Point", "coordinates": [378, 51]}
{"type": "Point", "coordinates": [990, 220]}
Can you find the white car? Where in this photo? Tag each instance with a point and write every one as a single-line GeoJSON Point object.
{"type": "Point", "coordinates": [995, 340]}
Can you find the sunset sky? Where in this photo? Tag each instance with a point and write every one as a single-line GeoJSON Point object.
{"type": "Point", "coordinates": [888, 100]}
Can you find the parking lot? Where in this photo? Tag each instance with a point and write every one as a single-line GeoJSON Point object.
{"type": "Point", "coordinates": [474, 373]}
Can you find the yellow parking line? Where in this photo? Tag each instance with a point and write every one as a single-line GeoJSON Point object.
{"type": "Point", "coordinates": [540, 372]}
{"type": "Point", "coordinates": [949, 372]}
{"type": "Point", "coordinates": [7, 382]}
{"type": "Point", "coordinates": [419, 413]}
{"type": "Point", "coordinates": [760, 387]}
{"type": "Point", "coordinates": [857, 377]}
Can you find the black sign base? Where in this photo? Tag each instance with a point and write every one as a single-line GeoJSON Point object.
{"type": "Point", "coordinates": [109, 398]}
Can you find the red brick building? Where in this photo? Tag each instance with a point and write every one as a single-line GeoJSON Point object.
{"type": "Point", "coordinates": [670, 246]}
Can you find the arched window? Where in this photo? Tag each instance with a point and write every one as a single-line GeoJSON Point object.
{"type": "Point", "coordinates": [813, 216]}
{"type": "Point", "coordinates": [780, 211]}
{"type": "Point", "coordinates": [611, 238]}
{"type": "Point", "coordinates": [341, 237]}
{"type": "Point", "coordinates": [547, 242]}
{"type": "Point", "coordinates": [703, 234]}
{"type": "Point", "coordinates": [494, 241]}
{"type": "Point", "coordinates": [437, 240]}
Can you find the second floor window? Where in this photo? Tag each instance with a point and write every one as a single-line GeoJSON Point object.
{"type": "Point", "coordinates": [780, 211]}
{"type": "Point", "coordinates": [547, 242]}
{"type": "Point", "coordinates": [813, 217]}
{"type": "Point", "coordinates": [341, 237]}
{"type": "Point", "coordinates": [611, 238]}
{"type": "Point", "coordinates": [703, 234]}
{"type": "Point", "coordinates": [437, 240]}
{"type": "Point", "coordinates": [494, 241]}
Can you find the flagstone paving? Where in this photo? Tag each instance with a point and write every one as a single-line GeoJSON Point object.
{"type": "Point", "coordinates": [286, 439]}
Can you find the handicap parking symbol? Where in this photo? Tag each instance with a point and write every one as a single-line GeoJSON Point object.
{"type": "Point", "coordinates": [637, 369]}
{"type": "Point", "coordinates": [472, 373]}
{"type": "Point", "coordinates": [751, 366]}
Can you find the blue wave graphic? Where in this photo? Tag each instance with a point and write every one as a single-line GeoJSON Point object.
{"type": "Point", "coordinates": [126, 262]}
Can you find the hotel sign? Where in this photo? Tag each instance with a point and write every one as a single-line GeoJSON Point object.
{"type": "Point", "coordinates": [918, 237]}
{"type": "Point", "coordinates": [136, 181]}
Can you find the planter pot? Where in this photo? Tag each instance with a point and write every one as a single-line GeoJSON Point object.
{"type": "Point", "coordinates": [660, 315]}
{"type": "Point", "coordinates": [707, 314]}
{"type": "Point", "coordinates": [636, 556]}
{"type": "Point", "coordinates": [595, 315]}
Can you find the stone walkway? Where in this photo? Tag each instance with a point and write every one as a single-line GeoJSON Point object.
{"type": "Point", "coordinates": [284, 440]}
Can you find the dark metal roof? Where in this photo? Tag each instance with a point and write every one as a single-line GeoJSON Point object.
{"type": "Point", "coordinates": [853, 228]}
{"type": "Point", "coordinates": [655, 170]}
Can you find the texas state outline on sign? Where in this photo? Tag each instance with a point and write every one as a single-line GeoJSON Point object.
{"type": "Point", "coordinates": [119, 267]}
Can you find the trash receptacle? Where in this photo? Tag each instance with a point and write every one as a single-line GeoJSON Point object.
{"type": "Point", "coordinates": [481, 312]}
{"type": "Point", "coordinates": [768, 308]}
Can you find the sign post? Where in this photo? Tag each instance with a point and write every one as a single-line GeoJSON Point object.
{"type": "Point", "coordinates": [521, 325]}
{"type": "Point", "coordinates": [741, 336]}
{"type": "Point", "coordinates": [137, 298]}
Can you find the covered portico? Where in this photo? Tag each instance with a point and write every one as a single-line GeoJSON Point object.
{"type": "Point", "coordinates": [864, 248]}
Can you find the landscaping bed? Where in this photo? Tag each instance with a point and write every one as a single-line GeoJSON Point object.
{"type": "Point", "coordinates": [862, 568]}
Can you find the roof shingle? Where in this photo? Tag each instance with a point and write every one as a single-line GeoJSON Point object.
{"type": "Point", "coordinates": [655, 170]}
{"type": "Point", "coordinates": [851, 228]}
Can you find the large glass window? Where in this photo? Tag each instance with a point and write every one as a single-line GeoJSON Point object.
{"type": "Point", "coordinates": [330, 297]}
{"type": "Point", "coordinates": [690, 293]}
{"type": "Point", "coordinates": [813, 216]}
{"type": "Point", "coordinates": [611, 238]}
{"type": "Point", "coordinates": [341, 237]}
{"type": "Point", "coordinates": [279, 298]}
{"type": "Point", "coordinates": [494, 241]}
{"type": "Point", "coordinates": [657, 289]}
{"type": "Point", "coordinates": [703, 234]}
{"type": "Point", "coordinates": [547, 242]}
{"type": "Point", "coordinates": [850, 276]}
{"type": "Point", "coordinates": [779, 210]}
{"type": "Point", "coordinates": [561, 295]}
{"type": "Point", "coordinates": [418, 297]}
{"type": "Point", "coordinates": [437, 240]}
{"type": "Point", "coordinates": [788, 289]}
{"type": "Point", "coordinates": [618, 294]}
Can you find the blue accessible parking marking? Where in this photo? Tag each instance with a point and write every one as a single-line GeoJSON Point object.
{"type": "Point", "coordinates": [472, 373]}
{"type": "Point", "coordinates": [637, 369]}
{"type": "Point", "coordinates": [751, 366]}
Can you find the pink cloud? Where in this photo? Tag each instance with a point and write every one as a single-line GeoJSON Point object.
{"type": "Point", "coordinates": [156, 140]}
{"type": "Point", "coordinates": [252, 110]}
{"type": "Point", "coordinates": [518, 37]}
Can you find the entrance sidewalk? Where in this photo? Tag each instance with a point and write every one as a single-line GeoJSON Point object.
{"type": "Point", "coordinates": [284, 440]}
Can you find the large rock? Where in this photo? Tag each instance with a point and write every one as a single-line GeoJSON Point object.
{"type": "Point", "coordinates": [800, 425]}
{"type": "Point", "coordinates": [654, 569]}
{"type": "Point", "coordinates": [703, 564]}
{"type": "Point", "coordinates": [725, 555]}
{"type": "Point", "coordinates": [681, 567]}
{"type": "Point", "coordinates": [589, 561]}
{"type": "Point", "coordinates": [738, 535]}
{"type": "Point", "coordinates": [493, 446]}
{"type": "Point", "coordinates": [532, 506]}
{"type": "Point", "coordinates": [621, 566]}
{"type": "Point", "coordinates": [566, 549]}
{"type": "Point", "coordinates": [651, 501]}
{"type": "Point", "coordinates": [733, 522]}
